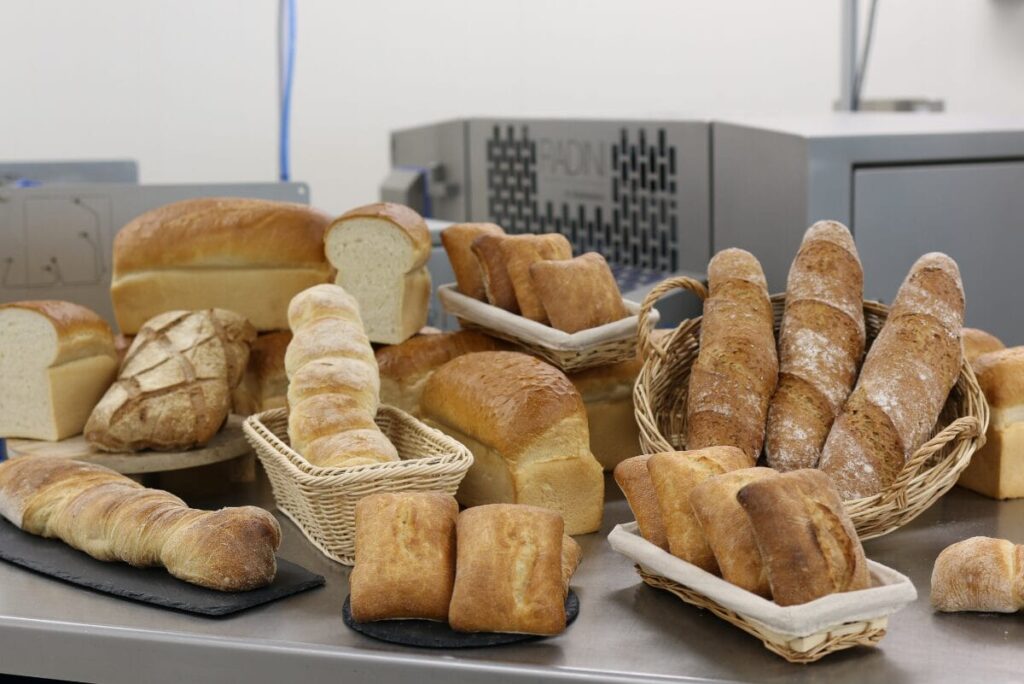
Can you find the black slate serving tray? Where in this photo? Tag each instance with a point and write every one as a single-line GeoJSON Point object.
{"type": "Point", "coordinates": [148, 585]}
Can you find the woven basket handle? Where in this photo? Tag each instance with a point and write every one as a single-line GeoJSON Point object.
{"type": "Point", "coordinates": [644, 326]}
{"type": "Point", "coordinates": [961, 428]}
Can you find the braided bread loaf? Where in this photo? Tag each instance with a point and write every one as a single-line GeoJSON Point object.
{"type": "Point", "coordinates": [112, 518]}
{"type": "Point", "coordinates": [821, 344]}
{"type": "Point", "coordinates": [333, 382]}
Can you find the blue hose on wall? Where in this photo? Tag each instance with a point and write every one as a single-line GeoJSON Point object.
{"type": "Point", "coordinates": [285, 72]}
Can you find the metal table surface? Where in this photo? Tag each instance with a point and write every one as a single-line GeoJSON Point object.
{"type": "Point", "coordinates": [626, 631]}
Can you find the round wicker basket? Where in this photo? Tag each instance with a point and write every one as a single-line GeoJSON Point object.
{"type": "Point", "coordinates": [660, 404]}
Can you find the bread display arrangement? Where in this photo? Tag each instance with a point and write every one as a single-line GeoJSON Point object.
{"type": "Point", "coordinates": [113, 518]}
{"type": "Point", "coordinates": [526, 425]}
{"type": "Point", "coordinates": [56, 361]}
{"type": "Point", "coordinates": [495, 568]}
{"type": "Point", "coordinates": [979, 574]}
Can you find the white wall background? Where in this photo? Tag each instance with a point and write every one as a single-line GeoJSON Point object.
{"type": "Point", "coordinates": [188, 87]}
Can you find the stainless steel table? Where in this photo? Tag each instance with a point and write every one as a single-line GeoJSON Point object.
{"type": "Point", "coordinates": [626, 631]}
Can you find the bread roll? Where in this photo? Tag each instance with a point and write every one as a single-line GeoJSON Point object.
{"type": "Point", "coordinates": [675, 474]}
{"type": "Point", "coordinates": [734, 376]}
{"type": "Point", "coordinates": [821, 344]}
{"type": "Point", "coordinates": [520, 253]}
{"type": "Point", "coordinates": [997, 468]}
{"type": "Point", "coordinates": [113, 518]}
{"type": "Point", "coordinates": [494, 271]}
{"type": "Point", "coordinates": [56, 361]}
{"type": "Point", "coordinates": [907, 375]}
{"type": "Point", "coordinates": [727, 529]}
{"type": "Point", "coordinates": [457, 240]}
{"type": "Point", "coordinates": [244, 255]}
{"type": "Point", "coordinates": [979, 574]}
{"type": "Point", "coordinates": [527, 428]}
{"type": "Point", "coordinates": [807, 542]}
{"type": "Point", "coordinates": [578, 294]}
{"type": "Point", "coordinates": [634, 480]}
{"type": "Point", "coordinates": [508, 577]}
{"type": "Point", "coordinates": [264, 385]}
{"type": "Point", "coordinates": [333, 389]}
{"type": "Point", "coordinates": [174, 388]}
{"type": "Point", "coordinates": [978, 342]}
{"type": "Point", "coordinates": [381, 253]}
{"type": "Point", "coordinates": [405, 556]}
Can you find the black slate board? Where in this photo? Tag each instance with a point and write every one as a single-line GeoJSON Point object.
{"type": "Point", "coordinates": [149, 585]}
{"type": "Point", "coordinates": [430, 634]}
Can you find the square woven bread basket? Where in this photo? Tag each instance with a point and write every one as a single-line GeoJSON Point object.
{"type": "Point", "coordinates": [660, 404]}
{"type": "Point", "coordinates": [322, 501]}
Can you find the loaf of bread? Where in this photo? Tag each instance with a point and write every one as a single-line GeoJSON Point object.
{"type": "Point", "coordinates": [808, 543]}
{"type": "Point", "coordinates": [997, 468]}
{"type": "Point", "coordinates": [457, 240]}
{"type": "Point", "coordinates": [527, 428]}
{"type": "Point", "coordinates": [113, 518]}
{"type": "Point", "coordinates": [381, 253]}
{"type": "Point", "coordinates": [821, 344]}
{"type": "Point", "coordinates": [174, 388]}
{"type": "Point", "coordinates": [675, 474]}
{"type": "Point", "coordinates": [907, 375]}
{"type": "Point", "coordinates": [634, 480]}
{"type": "Point", "coordinates": [508, 575]}
{"type": "Point", "coordinates": [727, 528]}
{"type": "Point", "coordinates": [520, 253]}
{"type": "Point", "coordinates": [978, 342]}
{"type": "Point", "coordinates": [264, 384]}
{"type": "Point", "coordinates": [333, 385]}
{"type": "Point", "coordinates": [244, 255]}
{"type": "Point", "coordinates": [494, 271]}
{"type": "Point", "coordinates": [405, 556]}
{"type": "Point", "coordinates": [406, 367]}
{"type": "Point", "coordinates": [578, 294]}
{"type": "Point", "coordinates": [572, 555]}
{"type": "Point", "coordinates": [56, 361]}
{"type": "Point", "coordinates": [736, 370]}
{"type": "Point", "coordinates": [979, 574]}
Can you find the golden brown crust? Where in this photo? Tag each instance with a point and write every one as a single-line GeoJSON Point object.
{"type": "Point", "coordinates": [80, 331]}
{"type": "Point", "coordinates": [405, 556]}
{"type": "Point", "coordinates": [807, 541]}
{"type": "Point", "coordinates": [978, 342]}
{"type": "Point", "coordinates": [522, 251]}
{"type": "Point", "coordinates": [1001, 376]}
{"type": "Point", "coordinates": [578, 294]}
{"type": "Point", "coordinates": [265, 383]}
{"type": "Point", "coordinates": [572, 555]}
{"type": "Point", "coordinates": [411, 223]}
{"type": "Point", "coordinates": [494, 271]}
{"type": "Point", "coordinates": [979, 574]}
{"type": "Point", "coordinates": [456, 240]}
{"type": "Point", "coordinates": [635, 482]}
{"type": "Point", "coordinates": [425, 353]}
{"type": "Point", "coordinates": [509, 571]}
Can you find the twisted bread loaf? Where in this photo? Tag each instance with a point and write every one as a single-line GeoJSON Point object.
{"type": "Point", "coordinates": [112, 518]}
{"type": "Point", "coordinates": [735, 373]}
{"type": "Point", "coordinates": [907, 375]}
{"type": "Point", "coordinates": [334, 386]}
{"type": "Point", "coordinates": [821, 343]}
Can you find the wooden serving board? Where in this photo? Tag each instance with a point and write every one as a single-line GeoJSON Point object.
{"type": "Point", "coordinates": [227, 444]}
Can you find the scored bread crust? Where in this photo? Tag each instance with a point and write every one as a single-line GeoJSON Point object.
{"type": "Point", "coordinates": [821, 343]}
{"type": "Point", "coordinates": [411, 224]}
{"type": "Point", "coordinates": [979, 574]}
{"type": "Point", "coordinates": [457, 240]}
{"type": "Point", "coordinates": [80, 331]}
{"type": "Point", "coordinates": [903, 385]}
{"type": "Point", "coordinates": [578, 294]}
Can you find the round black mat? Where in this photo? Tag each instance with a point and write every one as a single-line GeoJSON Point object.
{"type": "Point", "coordinates": [430, 634]}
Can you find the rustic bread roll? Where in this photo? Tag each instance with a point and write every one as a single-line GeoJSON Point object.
{"type": "Point", "coordinates": [381, 253]}
{"type": "Point", "coordinates": [978, 342]}
{"type": "Point", "coordinates": [56, 361]}
{"type": "Point", "coordinates": [406, 367]}
{"type": "Point", "coordinates": [675, 474]}
{"type": "Point", "coordinates": [807, 542]}
{"type": "Point", "coordinates": [997, 468]}
{"type": "Point", "coordinates": [821, 343]}
{"type": "Point", "coordinates": [264, 384]}
{"type": "Point", "coordinates": [333, 389]}
{"type": "Point", "coordinates": [727, 529]}
{"type": "Point", "coordinates": [634, 480]}
{"type": "Point", "coordinates": [244, 255]}
{"type": "Point", "coordinates": [113, 518]}
{"type": "Point", "coordinates": [907, 375]}
{"type": "Point", "coordinates": [579, 293]}
{"type": "Point", "coordinates": [520, 252]}
{"type": "Point", "coordinates": [527, 428]}
{"type": "Point", "coordinates": [979, 574]}
{"type": "Point", "coordinates": [508, 576]}
{"type": "Point", "coordinates": [174, 388]}
{"type": "Point", "coordinates": [457, 240]}
{"type": "Point", "coordinates": [494, 271]}
{"type": "Point", "coordinates": [734, 376]}
{"type": "Point", "coordinates": [405, 556]}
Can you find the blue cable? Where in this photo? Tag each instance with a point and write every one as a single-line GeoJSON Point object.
{"type": "Point", "coordinates": [286, 65]}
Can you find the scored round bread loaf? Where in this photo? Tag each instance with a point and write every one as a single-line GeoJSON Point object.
{"type": "Point", "coordinates": [821, 343]}
{"type": "Point", "coordinates": [736, 370]}
{"type": "Point", "coordinates": [979, 574]}
{"type": "Point", "coordinates": [904, 383]}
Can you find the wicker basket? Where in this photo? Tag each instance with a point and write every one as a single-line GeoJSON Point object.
{"type": "Point", "coordinates": [600, 346]}
{"type": "Point", "coordinates": [660, 404]}
{"type": "Point", "coordinates": [322, 501]}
